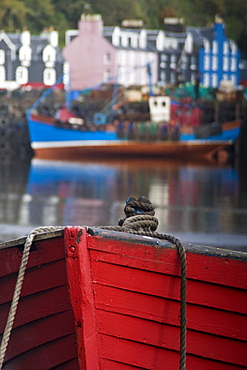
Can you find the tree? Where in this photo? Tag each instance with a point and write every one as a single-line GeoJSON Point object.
{"type": "Point", "coordinates": [167, 12]}
{"type": "Point", "coordinates": [39, 14]}
{"type": "Point", "coordinates": [12, 15]}
{"type": "Point", "coordinates": [63, 15]}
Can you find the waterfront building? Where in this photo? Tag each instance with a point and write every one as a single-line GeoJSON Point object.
{"type": "Point", "coordinates": [130, 55]}
{"type": "Point", "coordinates": [108, 54]}
{"type": "Point", "coordinates": [195, 54]}
{"type": "Point", "coordinates": [176, 54]}
{"type": "Point", "coordinates": [26, 58]}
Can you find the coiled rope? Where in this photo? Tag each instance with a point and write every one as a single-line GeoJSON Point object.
{"type": "Point", "coordinates": [139, 220]}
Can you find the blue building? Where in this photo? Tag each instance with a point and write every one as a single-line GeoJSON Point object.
{"type": "Point", "coordinates": [219, 58]}
{"type": "Point", "coordinates": [187, 53]}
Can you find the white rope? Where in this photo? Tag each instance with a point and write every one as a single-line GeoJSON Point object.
{"type": "Point", "coordinates": [18, 286]}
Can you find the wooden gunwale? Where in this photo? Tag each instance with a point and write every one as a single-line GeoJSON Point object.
{"type": "Point", "coordinates": [113, 266]}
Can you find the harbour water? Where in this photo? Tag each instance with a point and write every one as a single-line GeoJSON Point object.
{"type": "Point", "coordinates": [199, 203]}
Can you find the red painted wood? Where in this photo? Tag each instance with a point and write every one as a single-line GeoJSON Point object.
{"type": "Point", "coordinates": [47, 250]}
{"type": "Point", "coordinates": [108, 364]}
{"type": "Point", "coordinates": [45, 357]}
{"type": "Point", "coordinates": [199, 318]}
{"type": "Point", "coordinates": [216, 270]}
{"type": "Point", "coordinates": [168, 286]}
{"type": "Point", "coordinates": [81, 296]}
{"type": "Point", "coordinates": [39, 332]}
{"type": "Point", "coordinates": [166, 336]}
{"type": "Point", "coordinates": [215, 308]}
{"type": "Point", "coordinates": [149, 358]}
{"type": "Point", "coordinates": [125, 298]}
{"type": "Point", "coordinates": [37, 306]}
{"type": "Point", "coordinates": [69, 365]}
{"type": "Point", "coordinates": [36, 280]}
{"type": "Point", "coordinates": [44, 312]}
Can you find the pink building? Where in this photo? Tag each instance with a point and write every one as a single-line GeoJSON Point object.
{"type": "Point", "coordinates": [97, 54]}
{"type": "Point", "coordinates": [90, 56]}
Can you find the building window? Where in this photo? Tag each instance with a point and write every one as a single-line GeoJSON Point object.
{"type": "Point", "coordinates": [106, 76]}
{"type": "Point", "coordinates": [225, 47]}
{"type": "Point", "coordinates": [107, 58]}
{"type": "Point", "coordinates": [214, 63]}
{"type": "Point", "coordinates": [134, 42]}
{"type": "Point", "coordinates": [163, 76]}
{"type": "Point", "coordinates": [49, 76]}
{"type": "Point", "coordinates": [173, 78]}
{"type": "Point", "coordinates": [159, 42]}
{"type": "Point", "coordinates": [233, 48]}
{"type": "Point", "coordinates": [233, 64]}
{"type": "Point", "coordinates": [173, 58]}
{"type": "Point", "coordinates": [174, 43]}
{"type": "Point", "coordinates": [206, 79]}
{"type": "Point", "coordinates": [163, 57]}
{"type": "Point", "coordinates": [2, 56]}
{"type": "Point", "coordinates": [142, 42]}
{"type": "Point", "coordinates": [131, 57]}
{"type": "Point", "coordinates": [66, 75]}
{"type": "Point", "coordinates": [206, 63]}
{"type": "Point", "coordinates": [2, 74]}
{"type": "Point", "coordinates": [206, 46]}
{"type": "Point", "coordinates": [142, 59]}
{"type": "Point", "coordinates": [122, 57]}
{"type": "Point", "coordinates": [21, 75]}
{"type": "Point", "coordinates": [214, 80]}
{"type": "Point", "coordinates": [215, 47]}
{"type": "Point", "coordinates": [49, 54]}
{"type": "Point", "coordinates": [25, 55]}
{"type": "Point", "coordinates": [125, 41]}
{"type": "Point", "coordinates": [233, 79]}
{"type": "Point", "coordinates": [115, 37]}
{"type": "Point", "coordinates": [225, 63]}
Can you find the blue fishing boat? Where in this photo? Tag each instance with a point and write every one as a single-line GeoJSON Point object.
{"type": "Point", "coordinates": [162, 131]}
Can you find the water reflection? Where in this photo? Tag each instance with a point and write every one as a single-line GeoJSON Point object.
{"type": "Point", "coordinates": [191, 200]}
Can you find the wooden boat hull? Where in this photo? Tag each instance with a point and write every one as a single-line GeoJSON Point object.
{"type": "Point", "coordinates": [165, 149]}
{"type": "Point", "coordinates": [51, 142]}
{"type": "Point", "coordinates": [95, 299]}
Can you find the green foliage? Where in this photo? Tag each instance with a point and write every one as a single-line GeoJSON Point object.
{"type": "Point", "coordinates": [63, 14]}
{"type": "Point", "coordinates": [40, 14]}
{"type": "Point", "coordinates": [12, 15]}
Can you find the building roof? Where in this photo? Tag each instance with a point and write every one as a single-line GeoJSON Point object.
{"type": "Point", "coordinates": [200, 33]}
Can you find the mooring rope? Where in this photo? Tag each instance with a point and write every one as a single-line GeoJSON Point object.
{"type": "Point", "coordinates": [18, 287]}
{"type": "Point", "coordinates": [139, 220]}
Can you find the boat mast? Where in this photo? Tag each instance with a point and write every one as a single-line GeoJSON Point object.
{"type": "Point", "coordinates": [149, 71]}
{"type": "Point", "coordinates": [43, 96]}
